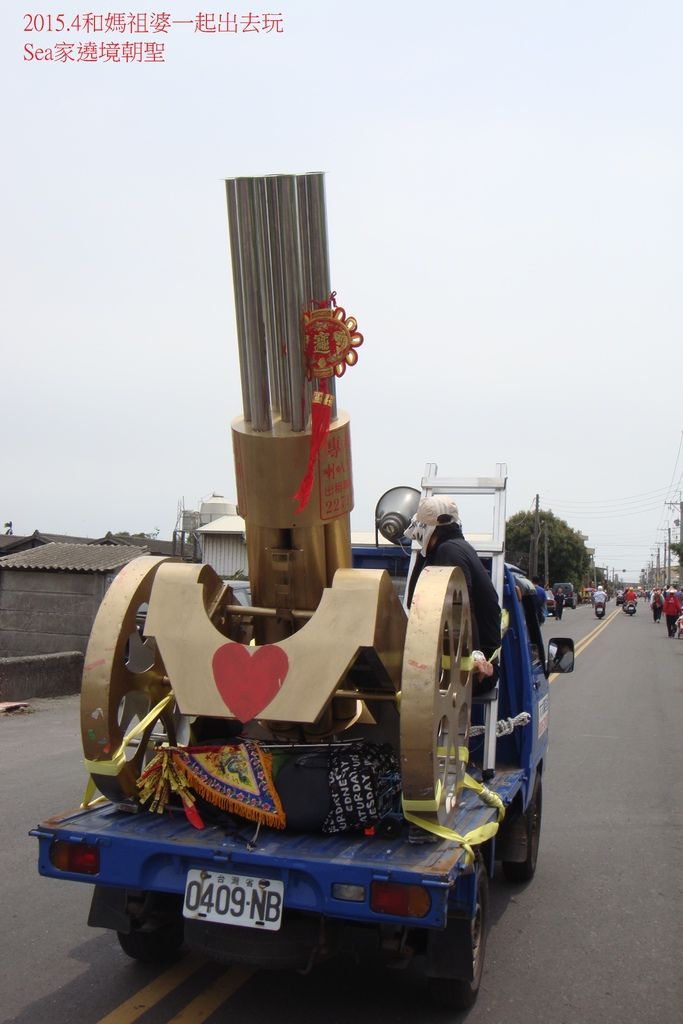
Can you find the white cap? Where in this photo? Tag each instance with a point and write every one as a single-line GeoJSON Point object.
{"type": "Point", "coordinates": [438, 510]}
{"type": "Point", "coordinates": [431, 512]}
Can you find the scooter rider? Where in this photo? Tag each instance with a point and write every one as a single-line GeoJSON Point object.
{"type": "Point", "coordinates": [599, 599]}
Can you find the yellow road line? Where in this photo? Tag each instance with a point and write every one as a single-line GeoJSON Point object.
{"type": "Point", "coordinates": [212, 997]}
{"type": "Point", "coordinates": [583, 643]}
{"type": "Point", "coordinates": [153, 993]}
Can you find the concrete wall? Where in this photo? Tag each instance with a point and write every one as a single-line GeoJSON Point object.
{"type": "Point", "coordinates": [47, 612]}
{"type": "Point", "coordinates": [44, 675]}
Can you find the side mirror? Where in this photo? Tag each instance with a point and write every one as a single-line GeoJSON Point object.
{"type": "Point", "coordinates": [560, 654]}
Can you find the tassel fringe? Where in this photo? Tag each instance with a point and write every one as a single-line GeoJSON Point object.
{"type": "Point", "coordinates": [321, 414]}
{"type": "Point", "coordinates": [169, 773]}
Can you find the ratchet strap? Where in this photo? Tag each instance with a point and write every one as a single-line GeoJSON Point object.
{"type": "Point", "coordinates": [412, 809]}
{"type": "Point", "coordinates": [117, 761]}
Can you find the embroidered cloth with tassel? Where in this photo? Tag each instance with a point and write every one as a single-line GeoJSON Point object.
{"type": "Point", "coordinates": [236, 777]}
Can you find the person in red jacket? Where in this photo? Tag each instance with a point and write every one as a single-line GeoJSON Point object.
{"type": "Point", "coordinates": [672, 609]}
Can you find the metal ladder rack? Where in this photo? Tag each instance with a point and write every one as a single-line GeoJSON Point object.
{"type": "Point", "coordinates": [487, 547]}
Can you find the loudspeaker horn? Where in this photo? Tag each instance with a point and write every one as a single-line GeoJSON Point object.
{"type": "Point", "coordinates": [394, 511]}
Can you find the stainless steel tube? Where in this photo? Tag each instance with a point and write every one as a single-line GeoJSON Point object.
{"type": "Point", "coordinates": [248, 218]}
{"type": "Point", "coordinates": [233, 228]}
{"type": "Point", "coordinates": [280, 383]}
{"type": "Point", "coordinates": [278, 240]}
{"type": "Point", "coordinates": [313, 232]}
{"type": "Point", "coordinates": [292, 298]}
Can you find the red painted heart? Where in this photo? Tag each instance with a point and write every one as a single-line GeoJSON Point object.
{"type": "Point", "coordinates": [248, 682]}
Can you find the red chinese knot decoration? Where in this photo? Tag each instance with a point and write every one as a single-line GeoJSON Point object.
{"type": "Point", "coordinates": [330, 342]}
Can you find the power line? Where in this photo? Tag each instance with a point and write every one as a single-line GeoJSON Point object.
{"type": "Point", "coordinates": [638, 504]}
{"type": "Point", "coordinates": [632, 497]}
{"type": "Point", "coordinates": [614, 515]}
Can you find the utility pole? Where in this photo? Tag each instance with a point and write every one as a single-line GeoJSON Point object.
{"type": "Point", "coordinates": [679, 523]}
{"type": "Point", "coordinates": [668, 551]}
{"type": "Point", "coordinates": [546, 580]}
{"type": "Point", "coordinates": [536, 535]}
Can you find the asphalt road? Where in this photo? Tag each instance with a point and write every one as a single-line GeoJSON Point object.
{"type": "Point", "coordinates": [595, 937]}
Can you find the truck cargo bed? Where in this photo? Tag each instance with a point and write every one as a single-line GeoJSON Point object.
{"type": "Point", "coordinates": [154, 852]}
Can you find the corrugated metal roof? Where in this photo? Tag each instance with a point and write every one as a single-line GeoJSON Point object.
{"type": "Point", "coordinates": [226, 524]}
{"type": "Point", "coordinates": [73, 557]}
{"type": "Point", "coordinates": [9, 542]}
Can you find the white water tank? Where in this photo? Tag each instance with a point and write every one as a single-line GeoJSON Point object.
{"type": "Point", "coordinates": [213, 508]}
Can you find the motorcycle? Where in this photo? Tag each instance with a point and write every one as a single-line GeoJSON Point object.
{"type": "Point", "coordinates": [600, 610]}
{"type": "Point", "coordinates": [630, 607]}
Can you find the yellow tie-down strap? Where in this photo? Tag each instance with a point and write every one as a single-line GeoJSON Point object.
{"type": "Point", "coordinates": [470, 839]}
{"type": "Point", "coordinates": [117, 760]}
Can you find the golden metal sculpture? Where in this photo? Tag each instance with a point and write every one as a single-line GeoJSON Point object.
{"type": "Point", "coordinates": [123, 680]}
{"type": "Point", "coordinates": [291, 680]}
{"type": "Point", "coordinates": [322, 649]}
{"type": "Point", "coordinates": [436, 694]}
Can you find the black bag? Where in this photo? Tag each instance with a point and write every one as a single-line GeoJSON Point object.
{"type": "Point", "coordinates": [345, 786]}
{"type": "Point", "coordinates": [364, 784]}
{"type": "Point", "coordinates": [303, 785]}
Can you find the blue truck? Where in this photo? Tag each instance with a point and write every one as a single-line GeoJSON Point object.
{"type": "Point", "coordinates": [287, 899]}
{"type": "Point", "coordinates": [326, 679]}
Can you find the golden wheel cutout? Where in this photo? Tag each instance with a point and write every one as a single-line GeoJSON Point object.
{"type": "Point", "coordinates": [436, 694]}
{"type": "Point", "coordinates": [123, 680]}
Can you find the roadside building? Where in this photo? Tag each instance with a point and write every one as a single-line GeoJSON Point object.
{"type": "Point", "coordinates": [50, 593]}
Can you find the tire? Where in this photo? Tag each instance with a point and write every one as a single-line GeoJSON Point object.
{"type": "Point", "coordinates": [524, 871]}
{"type": "Point", "coordinates": [461, 993]}
{"type": "Point", "coordinates": [155, 946]}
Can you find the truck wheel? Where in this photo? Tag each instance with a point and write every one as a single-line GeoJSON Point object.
{"type": "Point", "coordinates": [461, 993]}
{"type": "Point", "coordinates": [154, 946]}
{"type": "Point", "coordinates": [523, 871]}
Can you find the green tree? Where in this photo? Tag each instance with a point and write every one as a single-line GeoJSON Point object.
{"type": "Point", "coordinates": [677, 550]}
{"type": "Point", "coordinates": [568, 559]}
{"type": "Point", "coordinates": [148, 536]}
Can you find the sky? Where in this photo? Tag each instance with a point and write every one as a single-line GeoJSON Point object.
{"type": "Point", "coordinates": [504, 212]}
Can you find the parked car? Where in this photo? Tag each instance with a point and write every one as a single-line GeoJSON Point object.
{"type": "Point", "coordinates": [570, 597]}
{"type": "Point", "coordinates": [549, 602]}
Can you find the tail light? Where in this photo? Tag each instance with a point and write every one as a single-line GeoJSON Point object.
{"type": "Point", "coordinates": [400, 900]}
{"type": "Point", "coordinates": [77, 858]}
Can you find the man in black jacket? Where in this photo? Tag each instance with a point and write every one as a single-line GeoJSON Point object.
{"type": "Point", "coordinates": [436, 527]}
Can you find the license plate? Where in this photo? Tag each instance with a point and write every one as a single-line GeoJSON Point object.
{"type": "Point", "coordinates": [234, 899]}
